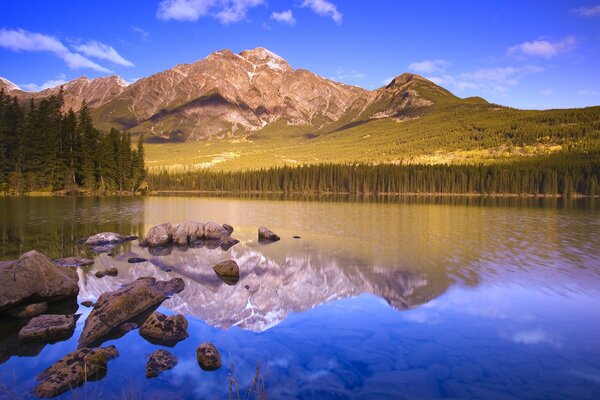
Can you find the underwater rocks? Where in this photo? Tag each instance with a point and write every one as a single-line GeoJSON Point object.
{"type": "Point", "coordinates": [160, 329]}
{"type": "Point", "coordinates": [46, 328]}
{"type": "Point", "coordinates": [208, 357]}
{"type": "Point", "coordinates": [266, 236]}
{"type": "Point", "coordinates": [28, 310]}
{"type": "Point", "coordinates": [228, 271]}
{"type": "Point", "coordinates": [34, 278]}
{"type": "Point", "coordinates": [188, 233]}
{"type": "Point", "coordinates": [158, 362]}
{"type": "Point", "coordinates": [131, 300]}
{"type": "Point", "coordinates": [107, 238]}
{"type": "Point", "coordinates": [73, 370]}
{"type": "Point", "coordinates": [74, 262]}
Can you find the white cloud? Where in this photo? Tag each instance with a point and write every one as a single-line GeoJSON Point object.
{"type": "Point", "coordinates": [429, 66]}
{"type": "Point", "coordinates": [343, 74]}
{"type": "Point", "coordinates": [535, 336]}
{"type": "Point", "coordinates": [103, 52]}
{"type": "Point", "coordinates": [142, 32]}
{"type": "Point", "coordinates": [285, 17]}
{"type": "Point", "coordinates": [587, 92]}
{"type": "Point", "coordinates": [21, 40]}
{"type": "Point", "coordinates": [542, 48]}
{"type": "Point", "coordinates": [498, 79]}
{"type": "Point", "coordinates": [33, 87]}
{"type": "Point", "coordinates": [593, 11]}
{"type": "Point", "coordinates": [325, 9]}
{"type": "Point", "coordinates": [226, 11]}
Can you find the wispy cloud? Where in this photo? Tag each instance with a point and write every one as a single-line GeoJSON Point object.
{"type": "Point", "coordinates": [142, 32]}
{"type": "Point", "coordinates": [344, 74]}
{"type": "Point", "coordinates": [587, 92]}
{"type": "Point", "coordinates": [497, 79]}
{"type": "Point", "coordinates": [33, 87]}
{"type": "Point", "coordinates": [226, 11]}
{"type": "Point", "coordinates": [542, 48]}
{"type": "Point", "coordinates": [535, 336]}
{"type": "Point", "coordinates": [285, 17]}
{"type": "Point", "coordinates": [325, 9]}
{"type": "Point", "coordinates": [593, 11]}
{"type": "Point", "coordinates": [21, 40]}
{"type": "Point", "coordinates": [429, 66]}
{"type": "Point", "coordinates": [102, 51]}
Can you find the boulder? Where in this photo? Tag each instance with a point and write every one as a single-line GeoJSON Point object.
{"type": "Point", "coordinates": [113, 271]}
{"type": "Point", "coordinates": [34, 277]}
{"type": "Point", "coordinates": [208, 357]}
{"type": "Point", "coordinates": [158, 362]}
{"type": "Point", "coordinates": [188, 232]}
{"type": "Point", "coordinates": [73, 370]}
{"type": "Point", "coordinates": [227, 242]}
{"type": "Point", "coordinates": [114, 308]}
{"type": "Point", "coordinates": [228, 271]}
{"type": "Point", "coordinates": [107, 238]}
{"type": "Point", "coordinates": [28, 310]}
{"type": "Point", "coordinates": [100, 274]}
{"type": "Point", "coordinates": [265, 234]}
{"type": "Point", "coordinates": [160, 329]}
{"type": "Point", "coordinates": [74, 261]}
{"type": "Point", "coordinates": [214, 231]}
{"type": "Point", "coordinates": [228, 228]}
{"type": "Point", "coordinates": [46, 328]}
{"type": "Point", "coordinates": [159, 235]}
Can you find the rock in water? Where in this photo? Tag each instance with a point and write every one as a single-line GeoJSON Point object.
{"type": "Point", "coordinates": [188, 232]}
{"type": "Point", "coordinates": [160, 361]}
{"type": "Point", "coordinates": [100, 274]}
{"type": "Point", "coordinates": [160, 329]}
{"type": "Point", "coordinates": [227, 242]}
{"type": "Point", "coordinates": [107, 238]}
{"type": "Point", "coordinates": [265, 234]}
{"type": "Point", "coordinates": [228, 228]}
{"type": "Point", "coordinates": [73, 370]}
{"type": "Point", "coordinates": [208, 357]}
{"type": "Point", "coordinates": [46, 328]}
{"type": "Point", "coordinates": [228, 271]}
{"type": "Point", "coordinates": [74, 262]}
{"type": "Point", "coordinates": [87, 303]}
{"type": "Point", "coordinates": [214, 231]}
{"type": "Point", "coordinates": [28, 310]}
{"type": "Point", "coordinates": [112, 271]}
{"type": "Point", "coordinates": [114, 308]}
{"type": "Point", "coordinates": [159, 235]}
{"type": "Point", "coordinates": [35, 277]}
{"type": "Point", "coordinates": [135, 260]}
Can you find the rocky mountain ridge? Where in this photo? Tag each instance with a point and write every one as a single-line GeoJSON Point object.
{"type": "Point", "coordinates": [228, 95]}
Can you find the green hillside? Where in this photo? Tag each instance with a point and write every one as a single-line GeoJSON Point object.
{"type": "Point", "coordinates": [453, 131]}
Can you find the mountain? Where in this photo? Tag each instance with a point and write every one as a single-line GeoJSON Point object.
{"type": "Point", "coordinates": [7, 85]}
{"type": "Point", "coordinates": [227, 95]}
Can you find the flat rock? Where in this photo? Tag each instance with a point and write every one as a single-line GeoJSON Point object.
{"type": "Point", "coordinates": [114, 308]}
{"type": "Point", "coordinates": [160, 329]}
{"type": "Point", "coordinates": [158, 362]}
{"type": "Point", "coordinates": [135, 260]}
{"type": "Point", "coordinates": [74, 261]}
{"type": "Point", "coordinates": [34, 277]}
{"type": "Point", "coordinates": [107, 238]}
{"type": "Point", "coordinates": [266, 235]}
{"type": "Point", "coordinates": [28, 310]}
{"type": "Point", "coordinates": [73, 370]}
{"type": "Point", "coordinates": [208, 357]}
{"type": "Point", "coordinates": [46, 328]}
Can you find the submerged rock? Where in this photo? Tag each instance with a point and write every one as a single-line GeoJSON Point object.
{"type": "Point", "coordinates": [74, 261]}
{"type": "Point", "coordinates": [208, 357]}
{"type": "Point", "coordinates": [100, 274]}
{"type": "Point", "coordinates": [266, 236]}
{"type": "Point", "coordinates": [107, 238]}
{"type": "Point", "coordinates": [112, 271]}
{"type": "Point", "coordinates": [46, 328]}
{"type": "Point", "coordinates": [160, 329]}
{"type": "Point", "coordinates": [87, 303]}
{"type": "Point", "coordinates": [134, 260]}
{"type": "Point", "coordinates": [106, 248]}
{"type": "Point", "coordinates": [28, 310]}
{"type": "Point", "coordinates": [114, 308]}
{"type": "Point", "coordinates": [34, 277]}
{"type": "Point", "coordinates": [158, 362]}
{"type": "Point", "coordinates": [73, 370]}
{"type": "Point", "coordinates": [228, 271]}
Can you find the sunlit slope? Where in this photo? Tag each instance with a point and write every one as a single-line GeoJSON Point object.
{"type": "Point", "coordinates": [460, 131]}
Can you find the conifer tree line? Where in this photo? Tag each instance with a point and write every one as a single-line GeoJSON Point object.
{"type": "Point", "coordinates": [565, 174]}
{"type": "Point", "coordinates": [43, 148]}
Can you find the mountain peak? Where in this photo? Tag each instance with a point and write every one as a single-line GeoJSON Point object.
{"type": "Point", "coordinates": [262, 56]}
{"type": "Point", "coordinates": [403, 79]}
{"type": "Point", "coordinates": [8, 85]}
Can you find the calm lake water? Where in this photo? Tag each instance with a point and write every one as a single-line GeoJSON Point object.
{"type": "Point", "coordinates": [406, 299]}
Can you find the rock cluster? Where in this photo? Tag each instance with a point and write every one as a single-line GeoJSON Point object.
{"type": "Point", "coordinates": [188, 234]}
{"type": "Point", "coordinates": [114, 308]}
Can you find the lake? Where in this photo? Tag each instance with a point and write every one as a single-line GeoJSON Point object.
{"type": "Point", "coordinates": [405, 298]}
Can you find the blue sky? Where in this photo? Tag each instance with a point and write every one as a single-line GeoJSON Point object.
{"type": "Point", "coordinates": [527, 54]}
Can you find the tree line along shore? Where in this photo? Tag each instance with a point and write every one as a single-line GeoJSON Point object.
{"type": "Point", "coordinates": [43, 149]}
